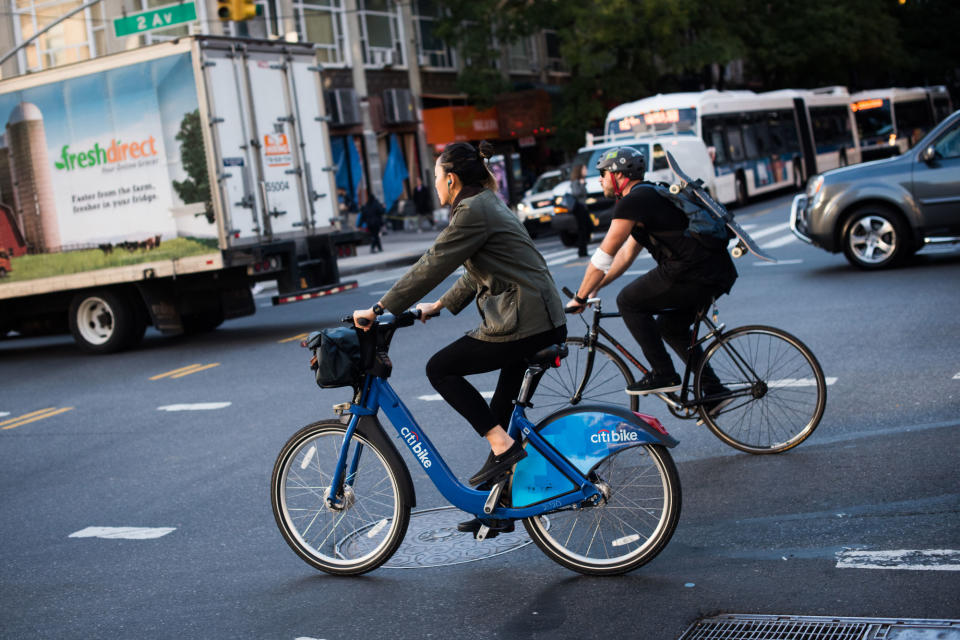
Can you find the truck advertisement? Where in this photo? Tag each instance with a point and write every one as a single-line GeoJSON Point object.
{"type": "Point", "coordinates": [104, 170]}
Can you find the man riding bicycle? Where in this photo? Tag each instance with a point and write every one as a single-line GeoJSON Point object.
{"type": "Point", "coordinates": [689, 272]}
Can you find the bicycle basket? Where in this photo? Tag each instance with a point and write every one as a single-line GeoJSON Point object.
{"type": "Point", "coordinates": [339, 358]}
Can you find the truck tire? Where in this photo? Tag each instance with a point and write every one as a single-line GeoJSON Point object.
{"type": "Point", "coordinates": [102, 321]}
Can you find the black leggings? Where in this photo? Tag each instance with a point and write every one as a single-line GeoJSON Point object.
{"type": "Point", "coordinates": [468, 356]}
{"type": "Point", "coordinates": [676, 305]}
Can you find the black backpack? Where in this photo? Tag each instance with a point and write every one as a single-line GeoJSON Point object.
{"type": "Point", "coordinates": [703, 226]}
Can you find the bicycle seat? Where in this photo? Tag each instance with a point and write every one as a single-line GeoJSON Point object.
{"type": "Point", "coordinates": [549, 357]}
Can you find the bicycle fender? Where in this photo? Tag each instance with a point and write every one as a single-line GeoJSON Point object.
{"type": "Point", "coordinates": [584, 435]}
{"type": "Point", "coordinates": [371, 429]}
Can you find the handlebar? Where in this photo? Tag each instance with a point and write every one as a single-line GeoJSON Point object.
{"type": "Point", "coordinates": [404, 319]}
{"type": "Point", "coordinates": [567, 292]}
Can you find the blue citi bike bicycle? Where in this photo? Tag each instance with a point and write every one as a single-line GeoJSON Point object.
{"type": "Point", "coordinates": [598, 491]}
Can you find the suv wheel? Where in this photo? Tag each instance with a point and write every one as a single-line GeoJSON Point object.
{"type": "Point", "coordinates": [874, 238]}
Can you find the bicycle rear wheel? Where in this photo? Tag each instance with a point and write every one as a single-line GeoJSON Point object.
{"type": "Point", "coordinates": [778, 386]}
{"type": "Point", "coordinates": [608, 380]}
{"type": "Point", "coordinates": [628, 528]}
{"type": "Point", "coordinates": [365, 528]}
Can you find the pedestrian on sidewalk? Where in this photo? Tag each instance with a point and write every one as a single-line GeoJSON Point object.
{"type": "Point", "coordinates": [371, 218]}
{"type": "Point", "coordinates": [424, 204]}
{"type": "Point", "coordinates": [578, 189]}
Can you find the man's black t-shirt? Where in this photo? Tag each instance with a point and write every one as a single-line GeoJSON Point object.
{"type": "Point", "coordinates": [660, 229]}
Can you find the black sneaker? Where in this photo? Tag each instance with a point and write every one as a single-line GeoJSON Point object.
{"type": "Point", "coordinates": [497, 465]}
{"type": "Point", "coordinates": [714, 407]}
{"type": "Point", "coordinates": [654, 383]}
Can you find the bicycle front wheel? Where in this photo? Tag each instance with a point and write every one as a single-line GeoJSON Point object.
{"type": "Point", "coordinates": [631, 524]}
{"type": "Point", "coordinates": [777, 386]}
{"type": "Point", "coordinates": [365, 523]}
{"type": "Point", "coordinates": [608, 380]}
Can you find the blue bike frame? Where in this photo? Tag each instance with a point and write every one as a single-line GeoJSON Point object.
{"type": "Point", "coordinates": [548, 466]}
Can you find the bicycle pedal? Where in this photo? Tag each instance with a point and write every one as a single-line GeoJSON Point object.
{"type": "Point", "coordinates": [484, 532]}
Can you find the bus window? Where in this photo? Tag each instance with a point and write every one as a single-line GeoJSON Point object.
{"type": "Point", "coordinates": [659, 158]}
{"type": "Point", "coordinates": [750, 139]}
{"type": "Point", "coordinates": [734, 143]}
{"type": "Point", "coordinates": [873, 119]}
{"type": "Point", "coordinates": [788, 131]}
{"type": "Point", "coordinates": [913, 119]}
{"type": "Point", "coordinates": [941, 108]}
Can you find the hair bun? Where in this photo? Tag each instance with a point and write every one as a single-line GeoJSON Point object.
{"type": "Point", "coordinates": [485, 149]}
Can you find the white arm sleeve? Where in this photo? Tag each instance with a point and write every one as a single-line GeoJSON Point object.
{"type": "Point", "coordinates": [602, 260]}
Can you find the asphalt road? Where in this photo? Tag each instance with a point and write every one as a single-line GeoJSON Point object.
{"type": "Point", "coordinates": [757, 534]}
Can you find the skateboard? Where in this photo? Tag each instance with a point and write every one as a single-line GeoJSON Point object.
{"type": "Point", "coordinates": [695, 188]}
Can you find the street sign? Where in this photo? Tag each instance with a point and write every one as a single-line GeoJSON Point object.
{"type": "Point", "coordinates": [155, 19]}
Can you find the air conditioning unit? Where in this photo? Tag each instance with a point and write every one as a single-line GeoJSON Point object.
{"type": "Point", "coordinates": [382, 57]}
{"type": "Point", "coordinates": [343, 107]}
{"type": "Point", "coordinates": [398, 106]}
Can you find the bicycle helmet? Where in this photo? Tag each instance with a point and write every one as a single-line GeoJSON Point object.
{"type": "Point", "coordinates": [626, 160]}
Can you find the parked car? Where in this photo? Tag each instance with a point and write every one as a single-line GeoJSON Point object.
{"type": "Point", "coordinates": [690, 152]}
{"type": "Point", "coordinates": [536, 208]}
{"type": "Point", "coordinates": [879, 213]}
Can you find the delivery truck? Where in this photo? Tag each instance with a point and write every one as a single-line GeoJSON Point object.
{"type": "Point", "coordinates": [157, 185]}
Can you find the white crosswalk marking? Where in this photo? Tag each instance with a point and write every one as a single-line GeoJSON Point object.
{"type": "Point", "coordinates": [779, 242]}
{"type": "Point", "coordinates": [903, 559]}
{"type": "Point", "coordinates": [435, 397]}
{"type": "Point", "coordinates": [769, 231]}
{"type": "Point", "coordinates": [123, 533]}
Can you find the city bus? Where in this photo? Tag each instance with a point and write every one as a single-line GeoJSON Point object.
{"type": "Point", "coordinates": [759, 142]}
{"type": "Point", "coordinates": [892, 120]}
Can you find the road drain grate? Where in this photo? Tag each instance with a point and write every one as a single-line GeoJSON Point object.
{"type": "Point", "coordinates": [755, 627]}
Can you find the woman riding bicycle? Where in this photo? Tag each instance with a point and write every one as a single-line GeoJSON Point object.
{"type": "Point", "coordinates": [520, 309]}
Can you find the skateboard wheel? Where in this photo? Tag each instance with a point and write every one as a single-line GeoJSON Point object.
{"type": "Point", "coordinates": [736, 252]}
{"type": "Point", "coordinates": [674, 189]}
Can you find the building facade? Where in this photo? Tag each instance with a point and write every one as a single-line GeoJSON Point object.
{"type": "Point", "coordinates": [390, 82]}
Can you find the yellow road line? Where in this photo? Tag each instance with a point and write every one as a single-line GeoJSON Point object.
{"type": "Point", "coordinates": [33, 417]}
{"type": "Point", "coordinates": [297, 337]}
{"type": "Point", "coordinates": [26, 415]}
{"type": "Point", "coordinates": [175, 371]}
{"type": "Point", "coordinates": [197, 369]}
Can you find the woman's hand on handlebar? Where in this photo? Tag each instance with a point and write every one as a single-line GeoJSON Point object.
{"type": "Point", "coordinates": [364, 318]}
{"type": "Point", "coordinates": [429, 310]}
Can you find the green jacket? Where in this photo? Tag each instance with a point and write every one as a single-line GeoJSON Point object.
{"type": "Point", "coordinates": [503, 270]}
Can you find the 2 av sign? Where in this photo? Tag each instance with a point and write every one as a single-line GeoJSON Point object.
{"type": "Point", "coordinates": [155, 19]}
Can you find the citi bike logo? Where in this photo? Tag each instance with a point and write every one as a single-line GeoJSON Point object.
{"type": "Point", "coordinates": [605, 435]}
{"type": "Point", "coordinates": [419, 451]}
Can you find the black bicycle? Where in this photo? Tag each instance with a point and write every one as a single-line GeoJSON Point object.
{"type": "Point", "coordinates": [775, 389]}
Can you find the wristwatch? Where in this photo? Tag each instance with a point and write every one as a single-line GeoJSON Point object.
{"type": "Point", "coordinates": [579, 299]}
{"type": "Point", "coordinates": [378, 309]}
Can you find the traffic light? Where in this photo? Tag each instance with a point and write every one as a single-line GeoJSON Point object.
{"type": "Point", "coordinates": [238, 10]}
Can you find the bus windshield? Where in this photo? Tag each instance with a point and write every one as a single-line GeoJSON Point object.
{"type": "Point", "coordinates": [682, 121]}
{"type": "Point", "coordinates": [873, 118]}
{"type": "Point", "coordinates": [589, 157]}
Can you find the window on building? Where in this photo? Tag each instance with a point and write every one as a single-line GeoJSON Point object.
{"type": "Point", "coordinates": [321, 22]}
{"type": "Point", "coordinates": [523, 57]}
{"type": "Point", "coordinates": [80, 37]}
{"type": "Point", "coordinates": [432, 50]}
{"type": "Point", "coordinates": [380, 33]}
{"type": "Point", "coordinates": [554, 61]}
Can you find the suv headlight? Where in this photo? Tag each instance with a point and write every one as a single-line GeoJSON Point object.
{"type": "Point", "coordinates": [814, 185]}
{"type": "Point", "coordinates": [522, 207]}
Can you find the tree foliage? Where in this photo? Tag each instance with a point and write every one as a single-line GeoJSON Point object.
{"type": "Point", "coordinates": [619, 50]}
{"type": "Point", "coordinates": [196, 188]}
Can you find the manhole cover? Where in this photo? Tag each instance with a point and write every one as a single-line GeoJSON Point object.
{"type": "Point", "coordinates": [432, 540]}
{"type": "Point", "coordinates": [751, 627]}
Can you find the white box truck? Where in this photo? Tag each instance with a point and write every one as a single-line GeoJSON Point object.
{"type": "Point", "coordinates": [155, 186]}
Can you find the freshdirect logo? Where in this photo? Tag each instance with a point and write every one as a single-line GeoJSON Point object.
{"type": "Point", "coordinates": [419, 451]}
{"type": "Point", "coordinates": [116, 152]}
{"type": "Point", "coordinates": [605, 435]}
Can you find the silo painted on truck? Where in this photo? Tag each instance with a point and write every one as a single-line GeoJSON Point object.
{"type": "Point", "coordinates": [32, 178]}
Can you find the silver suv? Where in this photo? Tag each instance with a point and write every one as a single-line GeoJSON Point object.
{"type": "Point", "coordinates": [879, 213]}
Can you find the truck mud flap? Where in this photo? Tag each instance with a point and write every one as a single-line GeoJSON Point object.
{"type": "Point", "coordinates": [316, 292]}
